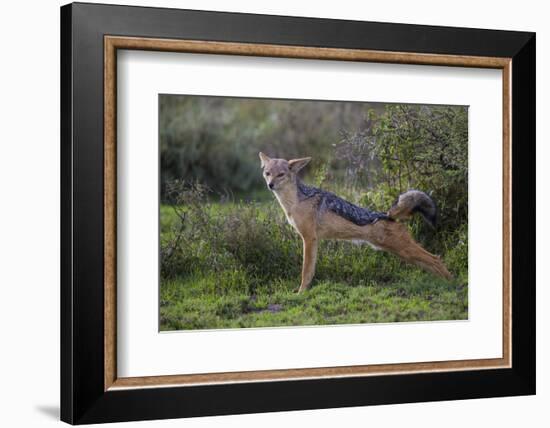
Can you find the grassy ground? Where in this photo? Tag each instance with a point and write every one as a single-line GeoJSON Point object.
{"type": "Point", "coordinates": [238, 265]}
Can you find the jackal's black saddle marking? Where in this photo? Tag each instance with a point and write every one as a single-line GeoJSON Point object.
{"type": "Point", "coordinates": [329, 201]}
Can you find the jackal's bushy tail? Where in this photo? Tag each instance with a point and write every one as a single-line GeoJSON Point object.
{"type": "Point", "coordinates": [411, 202]}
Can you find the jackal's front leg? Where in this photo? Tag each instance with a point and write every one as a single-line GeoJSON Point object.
{"type": "Point", "coordinates": [310, 258]}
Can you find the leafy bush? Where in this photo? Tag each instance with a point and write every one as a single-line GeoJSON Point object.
{"type": "Point", "coordinates": [415, 147]}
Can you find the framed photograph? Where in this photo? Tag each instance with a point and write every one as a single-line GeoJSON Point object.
{"type": "Point", "coordinates": [266, 213]}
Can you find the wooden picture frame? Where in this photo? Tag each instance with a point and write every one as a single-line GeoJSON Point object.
{"type": "Point", "coordinates": [91, 390]}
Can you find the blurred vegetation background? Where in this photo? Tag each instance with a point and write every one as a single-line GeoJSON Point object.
{"type": "Point", "coordinates": [224, 240]}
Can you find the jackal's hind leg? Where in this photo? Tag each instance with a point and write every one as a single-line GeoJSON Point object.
{"type": "Point", "coordinates": [399, 241]}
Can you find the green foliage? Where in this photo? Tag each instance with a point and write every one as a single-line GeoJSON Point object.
{"type": "Point", "coordinates": [456, 252]}
{"type": "Point", "coordinates": [417, 147]}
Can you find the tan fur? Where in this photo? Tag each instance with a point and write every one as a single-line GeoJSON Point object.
{"type": "Point", "coordinates": [400, 212]}
{"type": "Point", "coordinates": [313, 225]}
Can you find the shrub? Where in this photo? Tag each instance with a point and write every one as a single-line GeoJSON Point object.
{"type": "Point", "coordinates": [423, 147]}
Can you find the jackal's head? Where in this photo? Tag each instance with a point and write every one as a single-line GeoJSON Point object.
{"type": "Point", "coordinates": [281, 173]}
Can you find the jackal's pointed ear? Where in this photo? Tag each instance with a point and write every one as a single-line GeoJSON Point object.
{"type": "Point", "coordinates": [296, 165]}
{"type": "Point", "coordinates": [264, 159]}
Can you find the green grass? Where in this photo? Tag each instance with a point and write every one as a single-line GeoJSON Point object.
{"type": "Point", "coordinates": [235, 265]}
{"type": "Point", "coordinates": [185, 305]}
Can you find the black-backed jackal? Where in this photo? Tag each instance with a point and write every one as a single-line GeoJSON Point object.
{"type": "Point", "coordinates": [317, 214]}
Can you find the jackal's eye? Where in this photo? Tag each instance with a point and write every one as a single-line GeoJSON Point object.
{"type": "Point", "coordinates": [267, 174]}
{"type": "Point", "coordinates": [280, 175]}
